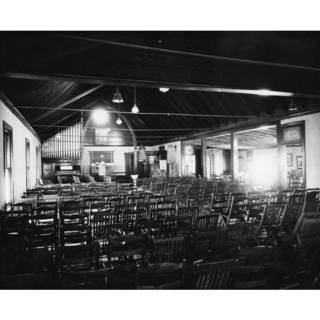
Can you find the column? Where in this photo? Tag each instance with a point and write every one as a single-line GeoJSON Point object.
{"type": "Point", "coordinates": [135, 160]}
{"type": "Point", "coordinates": [279, 156]}
{"type": "Point", "coordinates": [234, 156]}
{"type": "Point", "coordinates": [204, 157]}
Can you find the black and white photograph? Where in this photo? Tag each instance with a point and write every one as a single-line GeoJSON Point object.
{"type": "Point", "coordinates": [160, 160]}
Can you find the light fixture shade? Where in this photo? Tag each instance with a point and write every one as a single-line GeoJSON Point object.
{"type": "Point", "coordinates": [135, 109]}
{"type": "Point", "coordinates": [293, 107]}
{"type": "Point", "coordinates": [117, 97]}
{"type": "Point", "coordinates": [119, 121]}
{"type": "Point", "coordinates": [164, 90]}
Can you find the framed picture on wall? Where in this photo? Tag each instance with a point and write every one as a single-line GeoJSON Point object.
{"type": "Point", "coordinates": [289, 159]}
{"type": "Point", "coordinates": [299, 162]}
{"type": "Point", "coordinates": [292, 133]}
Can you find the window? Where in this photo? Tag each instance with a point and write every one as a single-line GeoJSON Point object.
{"type": "Point", "coordinates": [27, 164]}
{"type": "Point", "coordinates": [98, 156]}
{"type": "Point", "coordinates": [8, 156]}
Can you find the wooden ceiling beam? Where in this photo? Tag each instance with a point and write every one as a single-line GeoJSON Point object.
{"type": "Point", "coordinates": [156, 114]}
{"type": "Point", "coordinates": [66, 103]}
{"type": "Point", "coordinates": [148, 84]}
{"type": "Point", "coordinates": [189, 53]}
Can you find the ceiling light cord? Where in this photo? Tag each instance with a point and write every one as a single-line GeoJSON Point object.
{"type": "Point", "coordinates": [135, 108]}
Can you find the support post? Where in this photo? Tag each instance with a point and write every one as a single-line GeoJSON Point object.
{"type": "Point", "coordinates": [279, 157]}
{"type": "Point", "coordinates": [204, 157]}
{"type": "Point", "coordinates": [135, 160]}
{"type": "Point", "coordinates": [82, 131]}
{"type": "Point", "coordinates": [234, 156]}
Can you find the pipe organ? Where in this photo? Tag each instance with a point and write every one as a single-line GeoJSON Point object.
{"type": "Point", "coordinates": [66, 144]}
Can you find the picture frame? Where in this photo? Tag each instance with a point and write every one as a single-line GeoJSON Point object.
{"type": "Point", "coordinates": [299, 162]}
{"type": "Point", "coordinates": [289, 159]}
{"type": "Point", "coordinates": [292, 133]}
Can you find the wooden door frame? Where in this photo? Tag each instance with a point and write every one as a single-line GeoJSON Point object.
{"type": "Point", "coordinates": [302, 141]}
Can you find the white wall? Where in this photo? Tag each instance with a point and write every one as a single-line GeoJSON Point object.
{"type": "Point", "coordinates": [118, 157]}
{"type": "Point", "coordinates": [312, 141]}
{"type": "Point", "coordinates": [173, 153]}
{"type": "Point", "coordinates": [19, 133]}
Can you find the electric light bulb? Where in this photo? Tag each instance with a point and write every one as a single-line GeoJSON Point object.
{"type": "Point", "coordinates": [164, 90]}
{"type": "Point", "coordinates": [119, 121]}
{"type": "Point", "coordinates": [135, 109]}
{"type": "Point", "coordinates": [100, 116]}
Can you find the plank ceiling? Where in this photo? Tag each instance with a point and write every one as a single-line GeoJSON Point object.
{"type": "Point", "coordinates": [52, 77]}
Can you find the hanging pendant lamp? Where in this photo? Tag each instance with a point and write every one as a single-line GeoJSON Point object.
{"type": "Point", "coordinates": [118, 121]}
{"type": "Point", "coordinates": [117, 97]}
{"type": "Point", "coordinates": [135, 108]}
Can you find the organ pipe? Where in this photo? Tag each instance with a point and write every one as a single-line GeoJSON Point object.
{"type": "Point", "coordinates": [65, 144]}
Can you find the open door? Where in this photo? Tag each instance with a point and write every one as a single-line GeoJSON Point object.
{"type": "Point", "coordinates": [128, 156]}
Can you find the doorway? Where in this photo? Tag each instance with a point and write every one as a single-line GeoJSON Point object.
{"type": "Point", "coordinates": [293, 156]}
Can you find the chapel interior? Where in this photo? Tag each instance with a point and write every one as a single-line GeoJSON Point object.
{"type": "Point", "coordinates": [159, 160]}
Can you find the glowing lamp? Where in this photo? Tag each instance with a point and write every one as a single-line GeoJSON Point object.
{"type": "Point", "coordinates": [117, 97]}
{"type": "Point", "coordinates": [100, 116]}
{"type": "Point", "coordinates": [164, 90]}
{"type": "Point", "coordinates": [135, 109]}
{"type": "Point", "coordinates": [119, 121]}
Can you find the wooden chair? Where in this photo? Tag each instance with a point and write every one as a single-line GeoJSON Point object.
{"type": "Point", "coordinates": [251, 277]}
{"type": "Point", "coordinates": [237, 208]}
{"type": "Point", "coordinates": [26, 281]}
{"type": "Point", "coordinates": [209, 236]}
{"type": "Point", "coordinates": [104, 224]}
{"type": "Point", "coordinates": [80, 257]}
{"type": "Point", "coordinates": [171, 190]}
{"type": "Point", "coordinates": [74, 225]}
{"type": "Point", "coordinates": [42, 239]}
{"type": "Point", "coordinates": [158, 187]}
{"type": "Point", "coordinates": [208, 190]}
{"type": "Point", "coordinates": [208, 223]}
{"type": "Point", "coordinates": [269, 223]}
{"type": "Point", "coordinates": [290, 217]}
{"type": "Point", "coordinates": [171, 249]}
{"type": "Point", "coordinates": [220, 204]}
{"type": "Point", "coordinates": [125, 249]}
{"type": "Point", "coordinates": [182, 194]}
{"type": "Point", "coordinates": [307, 228]}
{"type": "Point", "coordinates": [162, 222]}
{"type": "Point", "coordinates": [186, 217]}
{"type": "Point", "coordinates": [254, 206]}
{"type": "Point", "coordinates": [13, 239]}
{"type": "Point", "coordinates": [85, 279]}
{"type": "Point", "coordinates": [194, 196]}
{"type": "Point", "coordinates": [214, 275]}
{"type": "Point", "coordinates": [160, 276]}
